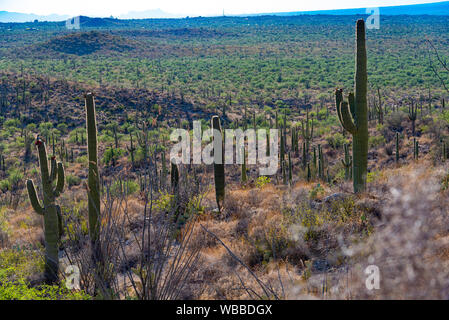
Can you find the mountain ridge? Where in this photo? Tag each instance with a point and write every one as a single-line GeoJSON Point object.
{"type": "Point", "coordinates": [435, 8]}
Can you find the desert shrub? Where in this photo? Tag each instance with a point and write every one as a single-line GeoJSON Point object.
{"type": "Point", "coordinates": [119, 188]}
{"type": "Point", "coordinates": [394, 120]}
{"type": "Point", "coordinates": [72, 180]}
{"type": "Point", "coordinates": [375, 141]}
{"type": "Point", "coordinates": [336, 140]}
{"type": "Point", "coordinates": [316, 192]}
{"type": "Point", "coordinates": [112, 155]}
{"type": "Point", "coordinates": [262, 181]}
{"type": "Point", "coordinates": [16, 266]}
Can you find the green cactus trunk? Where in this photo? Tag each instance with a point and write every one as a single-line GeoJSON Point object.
{"type": "Point", "coordinates": [354, 115]}
{"type": "Point", "coordinates": [415, 149]}
{"type": "Point", "coordinates": [320, 163]}
{"type": "Point", "coordinates": [309, 174]}
{"type": "Point", "coordinates": [93, 176]}
{"type": "Point", "coordinates": [397, 147]}
{"type": "Point", "coordinates": [174, 178]}
{"type": "Point", "coordinates": [347, 163]}
{"type": "Point", "coordinates": [290, 169]}
{"type": "Point", "coordinates": [244, 177]}
{"type": "Point", "coordinates": [50, 211]}
{"type": "Point", "coordinates": [219, 175]}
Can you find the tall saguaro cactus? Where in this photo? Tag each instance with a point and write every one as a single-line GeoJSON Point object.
{"type": "Point", "coordinates": [50, 211]}
{"type": "Point", "coordinates": [93, 176]}
{"type": "Point", "coordinates": [354, 115]}
{"type": "Point", "coordinates": [219, 176]}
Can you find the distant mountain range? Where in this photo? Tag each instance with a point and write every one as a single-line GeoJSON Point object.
{"type": "Point", "coordinates": [157, 13]}
{"type": "Point", "coordinates": [436, 8]}
{"type": "Point", "coordinates": [6, 16]}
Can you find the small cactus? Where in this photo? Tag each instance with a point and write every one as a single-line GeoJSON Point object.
{"type": "Point", "coordinates": [397, 147]}
{"type": "Point", "coordinates": [244, 177]}
{"type": "Point", "coordinates": [174, 178]}
{"type": "Point", "coordinates": [347, 163]}
{"type": "Point", "coordinates": [415, 149]}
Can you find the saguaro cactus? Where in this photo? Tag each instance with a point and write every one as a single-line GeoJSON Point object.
{"type": "Point", "coordinates": [320, 163]}
{"type": "Point", "coordinates": [131, 149]}
{"type": "Point", "coordinates": [307, 130]}
{"type": "Point", "coordinates": [243, 176]}
{"type": "Point", "coordinates": [397, 147]}
{"type": "Point", "coordinates": [412, 112]}
{"type": "Point", "coordinates": [415, 149]}
{"type": "Point", "coordinates": [93, 176]}
{"type": "Point", "coordinates": [219, 176]}
{"type": "Point", "coordinates": [50, 211]}
{"type": "Point", "coordinates": [354, 115]}
{"type": "Point", "coordinates": [347, 163]}
{"type": "Point", "coordinates": [174, 177]}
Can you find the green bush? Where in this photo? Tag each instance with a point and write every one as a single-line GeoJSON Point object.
{"type": "Point", "coordinates": [72, 180]}
{"type": "Point", "coordinates": [16, 266]}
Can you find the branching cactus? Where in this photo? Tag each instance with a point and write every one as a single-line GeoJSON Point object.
{"type": "Point", "coordinates": [219, 175]}
{"type": "Point", "coordinates": [131, 149]}
{"type": "Point", "coordinates": [354, 115]}
{"type": "Point", "coordinates": [50, 211]}
{"type": "Point", "coordinates": [412, 113]}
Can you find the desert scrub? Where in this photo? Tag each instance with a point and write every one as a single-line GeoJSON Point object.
{"type": "Point", "coordinates": [119, 188]}
{"type": "Point", "coordinates": [16, 267]}
{"type": "Point", "coordinates": [373, 176]}
{"type": "Point", "coordinates": [72, 180]}
{"type": "Point", "coordinates": [262, 181]}
{"type": "Point", "coordinates": [112, 155]}
{"type": "Point", "coordinates": [4, 227]}
{"type": "Point", "coordinates": [82, 159]}
{"type": "Point", "coordinates": [376, 141]}
{"type": "Point", "coordinates": [316, 192]}
{"type": "Point", "coordinates": [336, 140]}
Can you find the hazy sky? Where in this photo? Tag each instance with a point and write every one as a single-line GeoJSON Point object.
{"type": "Point", "coordinates": [102, 8]}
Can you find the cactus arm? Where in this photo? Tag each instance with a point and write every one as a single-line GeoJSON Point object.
{"type": "Point", "coordinates": [351, 101]}
{"type": "Point", "coordinates": [61, 180]}
{"type": "Point", "coordinates": [43, 162]}
{"type": "Point", "coordinates": [53, 169]}
{"type": "Point", "coordinates": [346, 118]}
{"type": "Point", "coordinates": [60, 226]}
{"type": "Point", "coordinates": [338, 101]}
{"type": "Point", "coordinates": [33, 198]}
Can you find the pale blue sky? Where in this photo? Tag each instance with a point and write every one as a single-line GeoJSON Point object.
{"type": "Point", "coordinates": [104, 8]}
